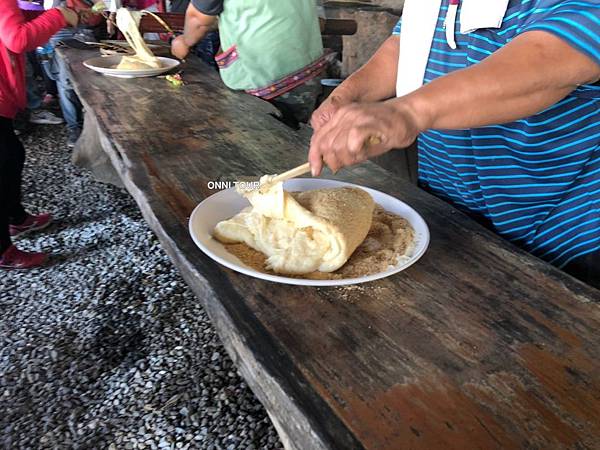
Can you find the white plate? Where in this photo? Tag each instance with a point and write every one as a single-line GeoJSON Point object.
{"type": "Point", "coordinates": [225, 204]}
{"type": "Point", "coordinates": [106, 64]}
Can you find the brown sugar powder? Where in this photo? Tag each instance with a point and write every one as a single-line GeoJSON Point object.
{"type": "Point", "coordinates": [389, 238]}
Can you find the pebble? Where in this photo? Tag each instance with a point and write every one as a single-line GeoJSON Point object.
{"type": "Point", "coordinates": [85, 347]}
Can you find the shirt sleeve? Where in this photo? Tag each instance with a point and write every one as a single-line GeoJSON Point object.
{"type": "Point", "coordinates": [576, 22]}
{"type": "Point", "coordinates": [19, 35]}
{"type": "Point", "coordinates": [209, 7]}
{"type": "Point", "coordinates": [397, 28]}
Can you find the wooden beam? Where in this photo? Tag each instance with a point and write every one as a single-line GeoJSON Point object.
{"type": "Point", "coordinates": [338, 27]}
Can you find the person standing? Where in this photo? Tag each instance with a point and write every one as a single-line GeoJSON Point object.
{"type": "Point", "coordinates": [207, 48]}
{"type": "Point", "coordinates": [19, 36]}
{"type": "Point", "coordinates": [272, 49]}
{"type": "Point", "coordinates": [504, 98]}
{"type": "Point", "coordinates": [35, 113]}
{"type": "Point", "coordinates": [57, 68]}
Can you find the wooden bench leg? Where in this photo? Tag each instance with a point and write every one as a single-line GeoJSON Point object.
{"type": "Point", "coordinates": [89, 154]}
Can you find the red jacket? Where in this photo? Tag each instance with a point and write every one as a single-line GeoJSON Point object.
{"type": "Point", "coordinates": [17, 37]}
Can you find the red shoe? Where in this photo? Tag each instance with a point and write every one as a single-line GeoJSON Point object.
{"type": "Point", "coordinates": [31, 223]}
{"type": "Point", "coordinates": [13, 258]}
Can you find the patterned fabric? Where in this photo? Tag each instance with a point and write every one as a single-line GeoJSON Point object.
{"type": "Point", "coordinates": [536, 180]}
{"type": "Point", "coordinates": [293, 80]}
{"type": "Point", "coordinates": [227, 58]}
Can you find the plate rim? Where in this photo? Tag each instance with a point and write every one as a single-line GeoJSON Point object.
{"type": "Point", "coordinates": [305, 281]}
{"type": "Point", "coordinates": [131, 73]}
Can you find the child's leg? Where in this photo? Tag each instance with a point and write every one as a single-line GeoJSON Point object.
{"type": "Point", "coordinates": [11, 172]}
{"type": "Point", "coordinates": [11, 166]}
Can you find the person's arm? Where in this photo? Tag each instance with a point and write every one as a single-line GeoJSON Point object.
{"type": "Point", "coordinates": [19, 35]}
{"type": "Point", "coordinates": [197, 26]}
{"type": "Point", "coordinates": [531, 73]}
{"type": "Point", "coordinates": [374, 81]}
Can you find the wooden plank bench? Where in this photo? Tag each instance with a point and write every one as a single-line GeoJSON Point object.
{"type": "Point", "coordinates": [478, 345]}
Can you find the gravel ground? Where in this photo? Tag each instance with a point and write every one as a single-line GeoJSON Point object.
{"type": "Point", "coordinates": [107, 347]}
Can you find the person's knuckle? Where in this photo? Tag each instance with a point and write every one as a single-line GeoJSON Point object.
{"type": "Point", "coordinates": [354, 140]}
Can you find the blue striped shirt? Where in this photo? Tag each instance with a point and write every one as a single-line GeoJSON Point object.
{"type": "Point", "coordinates": [536, 180]}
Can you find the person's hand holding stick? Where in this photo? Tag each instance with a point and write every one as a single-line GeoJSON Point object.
{"type": "Point", "coordinates": [358, 131]}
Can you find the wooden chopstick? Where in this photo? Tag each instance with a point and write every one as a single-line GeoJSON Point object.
{"type": "Point", "coordinates": [293, 173]}
{"type": "Point", "coordinates": [305, 168]}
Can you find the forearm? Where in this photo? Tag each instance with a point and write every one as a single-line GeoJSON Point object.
{"type": "Point", "coordinates": [533, 72]}
{"type": "Point", "coordinates": [376, 80]}
{"type": "Point", "coordinates": [194, 32]}
{"type": "Point", "coordinates": [197, 26]}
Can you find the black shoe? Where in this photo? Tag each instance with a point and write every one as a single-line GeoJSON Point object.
{"type": "Point", "coordinates": [21, 124]}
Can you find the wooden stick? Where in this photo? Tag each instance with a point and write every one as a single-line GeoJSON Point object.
{"type": "Point", "coordinates": [305, 168]}
{"type": "Point", "coordinates": [293, 173]}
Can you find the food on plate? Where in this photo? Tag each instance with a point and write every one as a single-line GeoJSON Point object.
{"type": "Point", "coordinates": [128, 23]}
{"type": "Point", "coordinates": [320, 234]}
{"type": "Point", "coordinates": [314, 230]}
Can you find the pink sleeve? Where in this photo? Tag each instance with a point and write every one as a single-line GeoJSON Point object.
{"type": "Point", "coordinates": [20, 36]}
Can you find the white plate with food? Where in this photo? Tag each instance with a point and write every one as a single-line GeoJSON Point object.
{"type": "Point", "coordinates": [394, 224]}
{"type": "Point", "coordinates": [142, 62]}
{"type": "Point", "coordinates": [107, 65]}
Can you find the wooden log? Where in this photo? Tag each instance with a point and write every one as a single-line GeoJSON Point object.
{"type": "Point", "coordinates": [89, 153]}
{"type": "Point", "coordinates": [478, 345]}
{"type": "Point", "coordinates": [373, 26]}
{"type": "Point", "coordinates": [338, 27]}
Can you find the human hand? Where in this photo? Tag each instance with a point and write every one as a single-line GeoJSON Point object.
{"type": "Point", "coordinates": [179, 48]}
{"type": "Point", "coordinates": [327, 109]}
{"type": "Point", "coordinates": [359, 131]}
{"type": "Point", "coordinates": [70, 16]}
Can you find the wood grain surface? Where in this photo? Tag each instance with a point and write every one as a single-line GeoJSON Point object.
{"type": "Point", "coordinates": [477, 346]}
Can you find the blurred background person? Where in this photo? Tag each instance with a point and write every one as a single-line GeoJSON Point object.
{"type": "Point", "coordinates": [90, 29]}
{"type": "Point", "coordinates": [271, 49]}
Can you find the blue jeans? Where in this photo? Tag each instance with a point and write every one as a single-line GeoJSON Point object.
{"type": "Point", "coordinates": [34, 96]}
{"type": "Point", "coordinates": [56, 68]}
